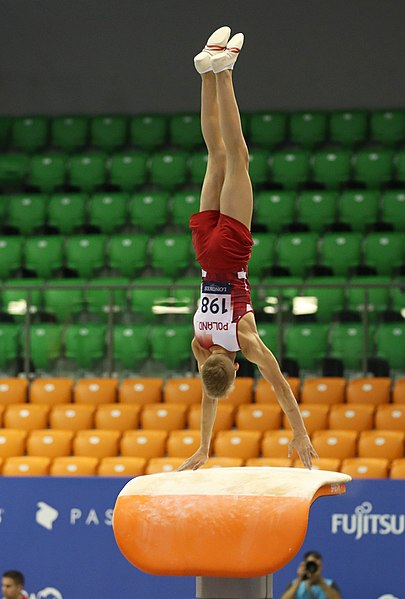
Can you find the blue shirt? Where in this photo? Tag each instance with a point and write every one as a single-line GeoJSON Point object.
{"type": "Point", "coordinates": [316, 590]}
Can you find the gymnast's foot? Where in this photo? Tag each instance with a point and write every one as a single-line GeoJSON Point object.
{"type": "Point", "coordinates": [226, 60]}
{"type": "Point", "coordinates": [216, 43]}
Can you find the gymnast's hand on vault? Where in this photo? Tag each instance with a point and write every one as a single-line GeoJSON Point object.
{"type": "Point", "coordinates": [197, 459]}
{"type": "Point", "coordinates": [303, 447]}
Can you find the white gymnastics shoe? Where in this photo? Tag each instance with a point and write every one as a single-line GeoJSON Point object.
{"type": "Point", "coordinates": [216, 43]}
{"type": "Point", "coordinates": [226, 60]}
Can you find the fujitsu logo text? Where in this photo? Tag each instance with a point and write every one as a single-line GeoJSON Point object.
{"type": "Point", "coordinates": [363, 522]}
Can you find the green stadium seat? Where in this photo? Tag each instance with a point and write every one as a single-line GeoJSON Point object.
{"type": "Point", "coordinates": [131, 345]}
{"type": "Point", "coordinates": [317, 209]}
{"type": "Point", "coordinates": [11, 249]}
{"type": "Point", "coordinates": [171, 254]}
{"type": "Point", "coordinates": [259, 167]}
{"type": "Point", "coordinates": [85, 343]}
{"type": "Point", "coordinates": [15, 301]}
{"type": "Point", "coordinates": [275, 294]}
{"type": "Point", "coordinates": [377, 298]}
{"type": "Point", "coordinates": [108, 132]}
{"type": "Point", "coordinates": [5, 130]}
{"type": "Point", "coordinates": [169, 169]}
{"type": "Point", "coordinates": [358, 208]}
{"type": "Point", "coordinates": [348, 127]}
{"type": "Point", "coordinates": [198, 166]}
{"type": "Point", "coordinates": [297, 252]}
{"type": "Point", "coordinates": [87, 171]}
{"type": "Point", "coordinates": [64, 304]}
{"type": "Point", "coordinates": [3, 206]}
{"type": "Point", "coordinates": [384, 252]}
{"type": "Point", "coordinates": [108, 211]}
{"type": "Point", "coordinates": [85, 254]}
{"type": "Point", "coordinates": [332, 168]}
{"type": "Point", "coordinates": [185, 130]}
{"type": "Point", "coordinates": [13, 169]}
{"type": "Point", "coordinates": [148, 131]}
{"type": "Point", "coordinates": [149, 211]}
{"type": "Point", "coordinates": [10, 335]}
{"type": "Point", "coordinates": [47, 172]}
{"type": "Point", "coordinates": [44, 255]}
{"type": "Point", "coordinates": [184, 204]}
{"type": "Point", "coordinates": [263, 253]}
{"type": "Point", "coordinates": [171, 344]}
{"type": "Point", "coordinates": [268, 129]}
{"type": "Point", "coordinates": [187, 297]}
{"type": "Point", "coordinates": [27, 213]}
{"type": "Point", "coordinates": [269, 336]}
{"type": "Point", "coordinates": [45, 344]}
{"type": "Point", "coordinates": [397, 295]}
{"type": "Point", "coordinates": [128, 170]}
{"type": "Point", "coordinates": [330, 299]}
{"type": "Point", "coordinates": [347, 344]}
{"type": "Point", "coordinates": [373, 168]}
{"type": "Point", "coordinates": [144, 300]}
{"type": "Point", "coordinates": [308, 128]}
{"type": "Point", "coordinates": [400, 166]}
{"type": "Point", "coordinates": [387, 126]}
{"type": "Point", "coordinates": [275, 209]}
{"type": "Point", "coordinates": [99, 300]}
{"type": "Point", "coordinates": [29, 134]}
{"type": "Point", "coordinates": [341, 252]}
{"type": "Point", "coordinates": [290, 168]}
{"type": "Point", "coordinates": [306, 343]}
{"type": "Point", "coordinates": [67, 212]}
{"type": "Point", "coordinates": [127, 253]}
{"type": "Point", "coordinates": [390, 342]}
{"type": "Point", "coordinates": [69, 133]}
{"type": "Point", "coordinates": [393, 208]}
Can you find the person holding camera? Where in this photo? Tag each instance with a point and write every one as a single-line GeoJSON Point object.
{"type": "Point", "coordinates": [310, 584]}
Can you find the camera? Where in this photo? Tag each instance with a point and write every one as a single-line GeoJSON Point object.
{"type": "Point", "coordinates": [310, 567]}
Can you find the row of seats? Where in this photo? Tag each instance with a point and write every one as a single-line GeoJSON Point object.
{"type": "Point", "coordinates": [174, 416]}
{"type": "Point", "coordinates": [187, 391]}
{"type": "Point", "coordinates": [148, 131]}
{"type": "Point", "coordinates": [129, 467]}
{"type": "Point", "coordinates": [315, 210]}
{"type": "Point", "coordinates": [243, 444]}
{"type": "Point", "coordinates": [293, 254]}
{"type": "Point", "coordinates": [171, 169]}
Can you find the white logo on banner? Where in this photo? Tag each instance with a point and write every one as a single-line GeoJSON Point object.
{"type": "Point", "coordinates": [2, 510]}
{"type": "Point", "coordinates": [363, 522]}
{"type": "Point", "coordinates": [46, 516]}
{"type": "Point", "coordinates": [389, 596]}
{"type": "Point", "coordinates": [49, 593]}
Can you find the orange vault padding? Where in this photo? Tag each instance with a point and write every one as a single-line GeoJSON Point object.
{"type": "Point", "coordinates": [226, 522]}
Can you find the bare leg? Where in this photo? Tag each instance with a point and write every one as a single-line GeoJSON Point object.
{"type": "Point", "coordinates": [236, 196]}
{"type": "Point", "coordinates": [215, 173]}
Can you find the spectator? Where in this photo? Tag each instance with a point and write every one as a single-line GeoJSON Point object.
{"type": "Point", "coordinates": [310, 584]}
{"type": "Point", "coordinates": [12, 585]}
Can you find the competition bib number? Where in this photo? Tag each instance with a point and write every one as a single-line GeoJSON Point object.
{"type": "Point", "coordinates": [214, 306]}
{"type": "Point", "coordinates": [216, 301]}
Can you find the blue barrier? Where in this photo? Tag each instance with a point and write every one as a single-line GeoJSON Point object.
{"type": "Point", "coordinates": [58, 532]}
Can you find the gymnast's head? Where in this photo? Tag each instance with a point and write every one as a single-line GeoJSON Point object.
{"type": "Point", "coordinates": [218, 375]}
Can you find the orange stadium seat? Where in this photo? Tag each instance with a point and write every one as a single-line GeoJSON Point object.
{"type": "Point", "coordinates": [141, 391]}
{"type": "Point", "coordinates": [183, 390]}
{"type": "Point", "coordinates": [73, 417]}
{"type": "Point", "coordinates": [182, 443]}
{"type": "Point", "coordinates": [12, 442]}
{"type": "Point", "coordinates": [121, 466]}
{"type": "Point", "coordinates": [74, 466]}
{"type": "Point", "coordinates": [315, 417]}
{"type": "Point", "coordinates": [51, 391]}
{"type": "Point", "coordinates": [168, 417]}
{"type": "Point", "coordinates": [26, 466]}
{"type": "Point", "coordinates": [332, 464]}
{"type": "Point", "coordinates": [274, 462]}
{"type": "Point", "coordinates": [253, 417]}
{"type": "Point", "coordinates": [397, 468]}
{"type": "Point", "coordinates": [156, 465]}
{"type": "Point", "coordinates": [390, 417]}
{"type": "Point", "coordinates": [13, 390]}
{"type": "Point", "coordinates": [237, 444]}
{"type": "Point", "coordinates": [355, 417]}
{"type": "Point", "coordinates": [95, 391]}
{"type": "Point", "coordinates": [49, 443]}
{"type": "Point", "coordinates": [326, 390]}
{"type": "Point", "coordinates": [117, 417]}
{"type": "Point", "coordinates": [375, 390]}
{"type": "Point", "coordinates": [2, 409]}
{"type": "Point", "coordinates": [381, 444]}
{"type": "Point", "coordinates": [335, 443]}
{"type": "Point", "coordinates": [96, 444]}
{"type": "Point", "coordinates": [144, 444]}
{"type": "Point", "coordinates": [1, 465]}
{"type": "Point", "coordinates": [398, 394]}
{"type": "Point", "coordinates": [223, 421]}
{"type": "Point", "coordinates": [264, 392]}
{"type": "Point", "coordinates": [26, 416]}
{"type": "Point", "coordinates": [242, 392]}
{"type": "Point", "coordinates": [223, 463]}
{"type": "Point", "coordinates": [275, 444]}
{"type": "Point", "coordinates": [365, 467]}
